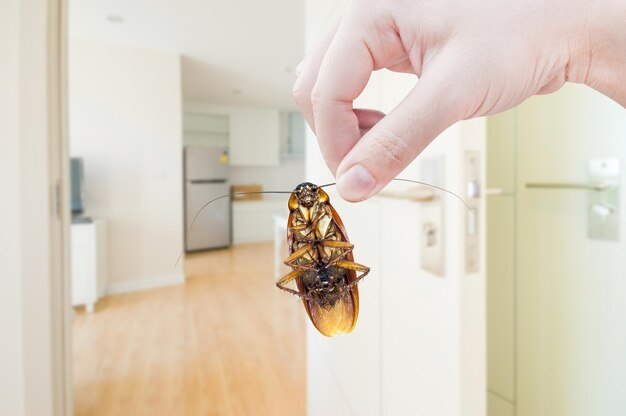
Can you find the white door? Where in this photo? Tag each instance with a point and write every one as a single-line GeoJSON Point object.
{"type": "Point", "coordinates": [557, 318]}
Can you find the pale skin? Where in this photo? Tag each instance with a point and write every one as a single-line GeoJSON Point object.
{"type": "Point", "coordinates": [472, 57]}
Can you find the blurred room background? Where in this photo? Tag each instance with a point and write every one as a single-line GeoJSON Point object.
{"type": "Point", "coordinates": [514, 308]}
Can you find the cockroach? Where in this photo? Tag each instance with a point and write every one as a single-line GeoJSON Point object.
{"type": "Point", "coordinates": [323, 267]}
{"type": "Point", "coordinates": [321, 257]}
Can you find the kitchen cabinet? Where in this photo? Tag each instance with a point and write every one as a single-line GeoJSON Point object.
{"type": "Point", "coordinates": [254, 137]}
{"type": "Point", "coordinates": [205, 129]}
{"type": "Point", "coordinates": [205, 122]}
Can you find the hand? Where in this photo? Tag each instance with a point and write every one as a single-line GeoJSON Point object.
{"type": "Point", "coordinates": [472, 57]}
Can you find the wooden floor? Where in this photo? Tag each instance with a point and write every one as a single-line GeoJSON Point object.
{"type": "Point", "coordinates": [227, 342]}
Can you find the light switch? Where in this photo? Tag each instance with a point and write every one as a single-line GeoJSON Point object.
{"type": "Point", "coordinates": [430, 234]}
{"type": "Point", "coordinates": [432, 258]}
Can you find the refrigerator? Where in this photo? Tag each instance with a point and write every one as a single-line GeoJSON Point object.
{"type": "Point", "coordinates": [206, 178]}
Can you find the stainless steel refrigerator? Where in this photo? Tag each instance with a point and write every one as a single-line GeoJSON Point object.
{"type": "Point", "coordinates": [206, 178]}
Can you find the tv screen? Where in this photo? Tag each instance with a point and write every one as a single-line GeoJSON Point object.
{"type": "Point", "coordinates": [76, 168]}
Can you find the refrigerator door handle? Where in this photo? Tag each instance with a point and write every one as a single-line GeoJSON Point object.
{"type": "Point", "coordinates": [204, 181]}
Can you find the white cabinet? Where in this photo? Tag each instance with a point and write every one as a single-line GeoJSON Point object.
{"type": "Point", "coordinates": [253, 220]}
{"type": "Point", "coordinates": [89, 263]}
{"type": "Point", "coordinates": [254, 137]}
{"type": "Point", "coordinates": [203, 129]}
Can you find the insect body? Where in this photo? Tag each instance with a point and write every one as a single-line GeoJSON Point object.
{"type": "Point", "coordinates": [322, 262]}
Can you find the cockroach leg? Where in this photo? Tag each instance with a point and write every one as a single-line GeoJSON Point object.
{"type": "Point", "coordinates": [350, 265]}
{"type": "Point", "coordinates": [334, 261]}
{"type": "Point", "coordinates": [293, 258]}
{"type": "Point", "coordinates": [299, 227]}
{"type": "Point", "coordinates": [356, 267]}
{"type": "Point", "coordinates": [288, 278]}
{"type": "Point", "coordinates": [337, 244]}
{"type": "Point", "coordinates": [340, 245]}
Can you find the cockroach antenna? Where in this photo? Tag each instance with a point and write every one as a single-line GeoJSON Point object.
{"type": "Point", "coordinates": [218, 198]}
{"type": "Point", "coordinates": [472, 210]}
{"type": "Point", "coordinates": [457, 196]}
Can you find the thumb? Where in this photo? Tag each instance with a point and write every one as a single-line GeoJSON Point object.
{"type": "Point", "coordinates": [389, 146]}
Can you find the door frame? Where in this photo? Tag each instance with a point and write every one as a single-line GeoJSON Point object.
{"type": "Point", "coordinates": [44, 204]}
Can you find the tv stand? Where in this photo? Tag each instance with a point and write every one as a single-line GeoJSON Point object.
{"type": "Point", "coordinates": [89, 263]}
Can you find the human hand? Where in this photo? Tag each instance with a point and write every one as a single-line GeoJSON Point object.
{"type": "Point", "coordinates": [473, 58]}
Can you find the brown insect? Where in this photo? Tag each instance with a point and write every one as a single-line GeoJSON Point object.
{"type": "Point", "coordinates": [322, 263]}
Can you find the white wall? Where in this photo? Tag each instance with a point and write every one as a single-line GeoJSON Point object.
{"type": "Point", "coordinates": [11, 391]}
{"type": "Point", "coordinates": [125, 121]}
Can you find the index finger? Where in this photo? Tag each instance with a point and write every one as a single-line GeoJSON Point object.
{"type": "Point", "coordinates": [343, 75]}
{"type": "Point", "coordinates": [306, 74]}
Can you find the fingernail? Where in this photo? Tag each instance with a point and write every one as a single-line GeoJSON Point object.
{"type": "Point", "coordinates": [356, 184]}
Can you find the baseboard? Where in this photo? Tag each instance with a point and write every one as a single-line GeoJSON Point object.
{"type": "Point", "coordinates": [146, 283]}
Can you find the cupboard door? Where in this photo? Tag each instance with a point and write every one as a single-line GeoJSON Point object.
{"type": "Point", "coordinates": [254, 138]}
{"type": "Point", "coordinates": [497, 406]}
{"type": "Point", "coordinates": [501, 296]}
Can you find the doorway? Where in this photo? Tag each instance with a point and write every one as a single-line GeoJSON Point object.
{"type": "Point", "coordinates": [556, 242]}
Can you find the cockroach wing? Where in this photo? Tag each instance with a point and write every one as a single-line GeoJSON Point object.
{"type": "Point", "coordinates": [341, 317]}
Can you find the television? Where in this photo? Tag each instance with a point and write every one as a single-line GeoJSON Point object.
{"type": "Point", "coordinates": [77, 175]}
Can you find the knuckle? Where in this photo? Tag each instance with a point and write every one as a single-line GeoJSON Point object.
{"type": "Point", "coordinates": [322, 96]}
{"type": "Point", "coordinates": [392, 149]}
{"type": "Point", "coordinates": [301, 95]}
{"type": "Point", "coordinates": [300, 68]}
{"type": "Point", "coordinates": [317, 98]}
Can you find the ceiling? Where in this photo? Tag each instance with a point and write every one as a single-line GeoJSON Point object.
{"type": "Point", "coordinates": [235, 52]}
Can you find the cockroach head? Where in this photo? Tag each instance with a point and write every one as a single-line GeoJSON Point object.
{"type": "Point", "coordinates": [307, 194]}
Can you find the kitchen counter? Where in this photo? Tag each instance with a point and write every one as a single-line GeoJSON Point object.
{"type": "Point", "coordinates": [253, 220]}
